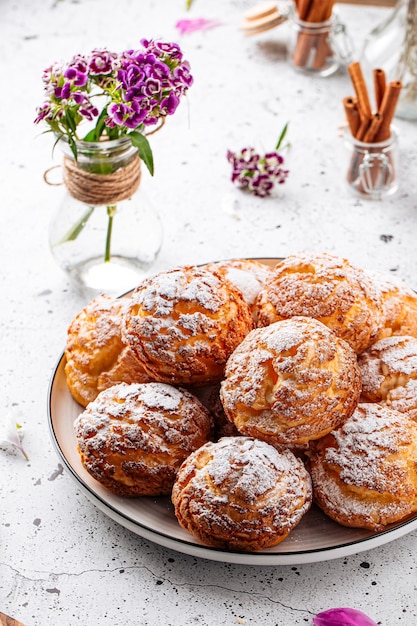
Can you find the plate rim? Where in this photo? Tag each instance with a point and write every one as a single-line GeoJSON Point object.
{"type": "Point", "coordinates": [190, 548]}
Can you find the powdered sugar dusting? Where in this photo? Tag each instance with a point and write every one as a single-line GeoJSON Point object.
{"type": "Point", "coordinates": [248, 275]}
{"type": "Point", "coordinates": [289, 381]}
{"type": "Point", "coordinates": [161, 396]}
{"type": "Point", "coordinates": [327, 288]}
{"type": "Point", "coordinates": [389, 284]}
{"type": "Point", "coordinates": [143, 416]}
{"type": "Point", "coordinates": [365, 442]}
{"type": "Point", "coordinates": [183, 324]}
{"type": "Point", "coordinates": [249, 468]}
{"type": "Point", "coordinates": [399, 305]}
{"type": "Point", "coordinates": [388, 364]}
{"type": "Point", "coordinates": [398, 354]}
{"type": "Point", "coordinates": [369, 471]}
{"type": "Point", "coordinates": [243, 486]}
{"type": "Point", "coordinates": [404, 399]}
{"type": "Point", "coordinates": [160, 292]}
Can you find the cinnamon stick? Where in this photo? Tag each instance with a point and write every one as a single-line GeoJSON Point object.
{"type": "Point", "coordinates": [312, 48]}
{"type": "Point", "coordinates": [323, 50]}
{"type": "Point", "coordinates": [379, 86]}
{"type": "Point", "coordinates": [387, 109]}
{"type": "Point", "coordinates": [303, 8]}
{"type": "Point", "coordinates": [359, 85]}
{"type": "Point", "coordinates": [352, 114]}
{"type": "Point", "coordinates": [363, 128]}
{"type": "Point", "coordinates": [320, 11]}
{"type": "Point", "coordinates": [373, 128]}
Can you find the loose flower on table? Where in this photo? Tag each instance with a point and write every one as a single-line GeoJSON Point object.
{"type": "Point", "coordinates": [258, 173]}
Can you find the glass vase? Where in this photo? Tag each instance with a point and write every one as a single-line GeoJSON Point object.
{"type": "Point", "coordinates": [372, 167]}
{"type": "Point", "coordinates": [318, 48]}
{"type": "Point", "coordinates": [392, 46]}
{"type": "Point", "coordinates": [106, 234]}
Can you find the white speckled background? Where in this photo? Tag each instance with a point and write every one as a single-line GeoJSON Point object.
{"type": "Point", "coordinates": [63, 562]}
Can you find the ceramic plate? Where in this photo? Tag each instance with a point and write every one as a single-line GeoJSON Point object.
{"type": "Point", "coordinates": [316, 538]}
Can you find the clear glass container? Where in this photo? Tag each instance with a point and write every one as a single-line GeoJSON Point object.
{"type": "Point", "coordinates": [372, 167]}
{"type": "Point", "coordinates": [105, 234]}
{"type": "Point", "coordinates": [392, 46]}
{"type": "Point", "coordinates": [318, 48]}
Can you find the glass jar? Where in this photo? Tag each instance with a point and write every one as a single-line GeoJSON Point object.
{"type": "Point", "coordinates": [318, 48]}
{"type": "Point", "coordinates": [392, 46]}
{"type": "Point", "coordinates": [372, 167]}
{"type": "Point", "coordinates": [106, 234]}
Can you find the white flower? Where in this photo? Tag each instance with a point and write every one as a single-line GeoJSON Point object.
{"type": "Point", "coordinates": [11, 433]}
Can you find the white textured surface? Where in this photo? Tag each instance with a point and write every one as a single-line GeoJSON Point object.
{"type": "Point", "coordinates": [62, 562]}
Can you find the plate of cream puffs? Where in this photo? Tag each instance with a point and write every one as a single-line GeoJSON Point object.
{"type": "Point", "coordinates": [255, 411]}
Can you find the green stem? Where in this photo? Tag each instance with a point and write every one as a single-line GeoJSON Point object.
{"type": "Point", "coordinates": [111, 211]}
{"type": "Point", "coordinates": [74, 231]}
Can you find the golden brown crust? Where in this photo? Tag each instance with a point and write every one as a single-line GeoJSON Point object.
{"type": "Point", "coordinates": [365, 472]}
{"type": "Point", "coordinates": [327, 288]}
{"type": "Point", "coordinates": [241, 494]}
{"type": "Point", "coordinates": [93, 344]}
{"type": "Point", "coordinates": [96, 356]}
{"type": "Point", "coordinates": [126, 369]}
{"type": "Point", "coordinates": [399, 306]}
{"type": "Point", "coordinates": [389, 373]}
{"type": "Point", "coordinates": [248, 275]}
{"type": "Point", "coordinates": [183, 324]}
{"type": "Point", "coordinates": [290, 382]}
{"type": "Point", "coordinates": [133, 438]}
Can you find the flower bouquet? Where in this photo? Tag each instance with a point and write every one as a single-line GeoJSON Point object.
{"type": "Point", "coordinates": [123, 94]}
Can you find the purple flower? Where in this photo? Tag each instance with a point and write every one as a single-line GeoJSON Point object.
{"type": "Point", "coordinates": [256, 173]}
{"type": "Point", "coordinates": [80, 62]}
{"type": "Point", "coordinates": [76, 77]}
{"type": "Point", "coordinates": [163, 49]}
{"type": "Point", "coordinates": [62, 93]}
{"type": "Point", "coordinates": [343, 617]}
{"type": "Point", "coordinates": [262, 185]}
{"type": "Point", "coordinates": [151, 87]}
{"type": "Point", "coordinates": [169, 105]}
{"type": "Point", "coordinates": [273, 160]}
{"type": "Point", "coordinates": [89, 111]}
{"type": "Point", "coordinates": [43, 112]}
{"type": "Point", "coordinates": [249, 158]}
{"type": "Point", "coordinates": [159, 70]}
{"type": "Point", "coordinates": [183, 75]}
{"type": "Point", "coordinates": [117, 112]}
{"type": "Point", "coordinates": [79, 97]}
{"type": "Point", "coordinates": [77, 71]}
{"type": "Point", "coordinates": [101, 62]}
{"type": "Point", "coordinates": [135, 116]}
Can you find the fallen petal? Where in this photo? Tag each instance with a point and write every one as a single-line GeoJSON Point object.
{"type": "Point", "coordinates": [190, 26]}
{"type": "Point", "coordinates": [343, 617]}
{"type": "Point", "coordinates": [12, 434]}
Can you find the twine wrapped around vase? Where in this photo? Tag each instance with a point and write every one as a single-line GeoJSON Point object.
{"type": "Point", "coordinates": [98, 189]}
